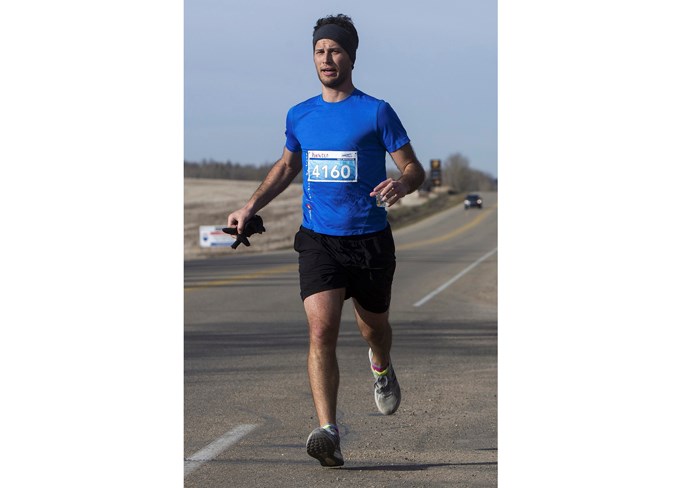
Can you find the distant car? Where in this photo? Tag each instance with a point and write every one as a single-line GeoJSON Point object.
{"type": "Point", "coordinates": [472, 200]}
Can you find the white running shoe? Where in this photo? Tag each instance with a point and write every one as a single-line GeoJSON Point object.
{"type": "Point", "coordinates": [386, 389]}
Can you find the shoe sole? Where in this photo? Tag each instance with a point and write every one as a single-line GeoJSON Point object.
{"type": "Point", "coordinates": [323, 449]}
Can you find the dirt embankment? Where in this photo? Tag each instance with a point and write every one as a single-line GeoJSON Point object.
{"type": "Point", "coordinates": [208, 202]}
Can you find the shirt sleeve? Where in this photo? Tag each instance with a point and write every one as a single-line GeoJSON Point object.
{"type": "Point", "coordinates": [292, 142]}
{"type": "Point", "coordinates": [393, 134]}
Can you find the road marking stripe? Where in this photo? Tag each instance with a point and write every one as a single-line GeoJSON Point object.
{"type": "Point", "coordinates": [455, 278]}
{"type": "Point", "coordinates": [215, 448]}
{"type": "Point", "coordinates": [449, 235]}
{"type": "Point", "coordinates": [244, 277]}
{"type": "Point", "coordinates": [290, 267]}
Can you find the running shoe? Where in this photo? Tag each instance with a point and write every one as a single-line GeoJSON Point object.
{"type": "Point", "coordinates": [325, 446]}
{"type": "Point", "coordinates": [386, 389]}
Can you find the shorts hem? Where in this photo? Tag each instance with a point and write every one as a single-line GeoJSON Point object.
{"type": "Point", "coordinates": [306, 293]}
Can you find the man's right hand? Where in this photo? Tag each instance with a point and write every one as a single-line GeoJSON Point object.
{"type": "Point", "coordinates": [238, 218]}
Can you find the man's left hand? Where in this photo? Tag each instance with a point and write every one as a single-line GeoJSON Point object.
{"type": "Point", "coordinates": [391, 191]}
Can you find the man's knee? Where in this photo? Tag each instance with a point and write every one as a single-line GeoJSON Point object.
{"type": "Point", "coordinates": [323, 334]}
{"type": "Point", "coordinates": [324, 317]}
{"type": "Point", "coordinates": [376, 334]}
{"type": "Point", "coordinates": [372, 320]}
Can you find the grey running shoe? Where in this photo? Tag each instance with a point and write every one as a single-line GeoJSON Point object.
{"type": "Point", "coordinates": [325, 446]}
{"type": "Point", "coordinates": [386, 390]}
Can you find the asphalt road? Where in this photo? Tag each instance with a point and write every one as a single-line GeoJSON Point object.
{"type": "Point", "coordinates": [248, 409]}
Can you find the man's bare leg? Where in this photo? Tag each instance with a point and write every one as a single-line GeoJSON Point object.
{"type": "Point", "coordinates": [375, 329]}
{"type": "Point", "coordinates": [323, 310]}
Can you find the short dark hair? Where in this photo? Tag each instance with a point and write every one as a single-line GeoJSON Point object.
{"type": "Point", "coordinates": [348, 38]}
{"type": "Point", "coordinates": [340, 20]}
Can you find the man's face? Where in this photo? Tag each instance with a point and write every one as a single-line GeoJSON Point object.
{"type": "Point", "coordinates": [332, 62]}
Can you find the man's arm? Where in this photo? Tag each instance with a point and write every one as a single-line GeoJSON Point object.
{"type": "Point", "coordinates": [276, 181]}
{"type": "Point", "coordinates": [413, 176]}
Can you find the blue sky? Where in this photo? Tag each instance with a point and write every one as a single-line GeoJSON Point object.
{"type": "Point", "coordinates": [247, 63]}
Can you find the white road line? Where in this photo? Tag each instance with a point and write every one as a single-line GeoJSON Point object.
{"type": "Point", "coordinates": [455, 278]}
{"type": "Point", "coordinates": [215, 448]}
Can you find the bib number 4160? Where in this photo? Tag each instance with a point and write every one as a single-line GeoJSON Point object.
{"type": "Point", "coordinates": [324, 171]}
{"type": "Point", "coordinates": [332, 166]}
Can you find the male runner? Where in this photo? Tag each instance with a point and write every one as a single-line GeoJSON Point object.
{"type": "Point", "coordinates": [346, 250]}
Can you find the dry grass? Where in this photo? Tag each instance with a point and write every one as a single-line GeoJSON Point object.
{"type": "Point", "coordinates": [208, 202]}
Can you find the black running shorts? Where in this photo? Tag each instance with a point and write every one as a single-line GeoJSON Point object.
{"type": "Point", "coordinates": [364, 265]}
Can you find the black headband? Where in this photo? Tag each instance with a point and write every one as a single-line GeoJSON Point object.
{"type": "Point", "coordinates": [336, 33]}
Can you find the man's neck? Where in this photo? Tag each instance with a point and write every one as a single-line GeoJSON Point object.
{"type": "Point", "coordinates": [333, 95]}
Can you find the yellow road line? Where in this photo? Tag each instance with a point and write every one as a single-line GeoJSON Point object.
{"type": "Point", "coordinates": [236, 279]}
{"type": "Point", "coordinates": [244, 277]}
{"type": "Point", "coordinates": [449, 235]}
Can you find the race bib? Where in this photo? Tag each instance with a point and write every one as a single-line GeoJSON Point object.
{"type": "Point", "coordinates": [332, 166]}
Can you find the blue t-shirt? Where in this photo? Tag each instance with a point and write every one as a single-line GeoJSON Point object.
{"type": "Point", "coordinates": [344, 147]}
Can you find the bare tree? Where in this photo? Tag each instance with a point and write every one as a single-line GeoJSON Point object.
{"type": "Point", "coordinates": [461, 178]}
{"type": "Point", "coordinates": [457, 172]}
